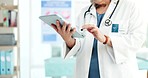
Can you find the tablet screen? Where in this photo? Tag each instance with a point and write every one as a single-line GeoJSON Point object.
{"type": "Point", "coordinates": [49, 19]}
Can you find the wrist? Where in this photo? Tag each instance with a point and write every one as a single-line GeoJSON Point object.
{"type": "Point", "coordinates": [106, 39]}
{"type": "Point", "coordinates": [71, 42]}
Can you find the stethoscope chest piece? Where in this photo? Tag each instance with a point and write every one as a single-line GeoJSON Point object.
{"type": "Point", "coordinates": [108, 22]}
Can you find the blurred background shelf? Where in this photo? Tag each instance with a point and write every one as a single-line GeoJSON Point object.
{"type": "Point", "coordinates": [7, 76]}
{"type": "Point", "coordinates": [9, 7]}
{"type": "Point", "coordinates": [7, 47]}
{"type": "Point", "coordinates": [11, 75]}
{"type": "Point", "coordinates": [10, 36]}
{"type": "Point", "coordinates": [4, 27]}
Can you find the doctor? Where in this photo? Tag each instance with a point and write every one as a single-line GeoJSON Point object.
{"type": "Point", "coordinates": [114, 32]}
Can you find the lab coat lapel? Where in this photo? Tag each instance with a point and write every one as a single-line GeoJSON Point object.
{"type": "Point", "coordinates": [93, 11]}
{"type": "Point", "coordinates": [109, 11]}
{"type": "Point", "coordinates": [93, 18]}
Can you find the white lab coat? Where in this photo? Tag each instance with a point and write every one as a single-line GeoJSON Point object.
{"type": "Point", "coordinates": [118, 61]}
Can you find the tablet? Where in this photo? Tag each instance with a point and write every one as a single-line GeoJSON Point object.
{"type": "Point", "coordinates": [49, 19]}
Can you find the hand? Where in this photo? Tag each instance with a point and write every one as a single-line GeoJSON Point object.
{"type": "Point", "coordinates": [65, 32]}
{"type": "Point", "coordinates": [95, 31]}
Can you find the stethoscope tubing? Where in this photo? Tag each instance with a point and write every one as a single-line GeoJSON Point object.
{"type": "Point", "coordinates": [87, 10]}
{"type": "Point", "coordinates": [114, 10]}
{"type": "Point", "coordinates": [108, 21]}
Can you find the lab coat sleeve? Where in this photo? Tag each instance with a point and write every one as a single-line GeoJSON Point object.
{"type": "Point", "coordinates": [70, 52]}
{"type": "Point", "coordinates": [124, 44]}
{"type": "Point", "coordinates": [77, 47]}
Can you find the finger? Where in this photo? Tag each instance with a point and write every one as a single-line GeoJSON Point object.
{"type": "Point", "coordinates": [58, 25]}
{"type": "Point", "coordinates": [64, 27]}
{"type": "Point", "coordinates": [90, 28]}
{"type": "Point", "coordinates": [73, 31]}
{"type": "Point", "coordinates": [54, 26]}
{"type": "Point", "coordinates": [94, 30]}
{"type": "Point", "coordinates": [68, 27]}
{"type": "Point", "coordinates": [87, 26]}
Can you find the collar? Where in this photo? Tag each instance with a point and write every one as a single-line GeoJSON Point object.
{"type": "Point", "coordinates": [109, 10]}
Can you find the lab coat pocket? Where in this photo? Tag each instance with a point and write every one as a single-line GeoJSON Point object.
{"type": "Point", "coordinates": [123, 27]}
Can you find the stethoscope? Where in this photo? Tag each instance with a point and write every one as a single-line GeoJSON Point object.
{"type": "Point", "coordinates": [108, 21]}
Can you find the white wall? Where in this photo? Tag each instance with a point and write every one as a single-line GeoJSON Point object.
{"type": "Point", "coordinates": [24, 19]}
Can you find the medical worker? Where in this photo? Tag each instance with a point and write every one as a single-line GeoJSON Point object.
{"type": "Point", "coordinates": [114, 31]}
